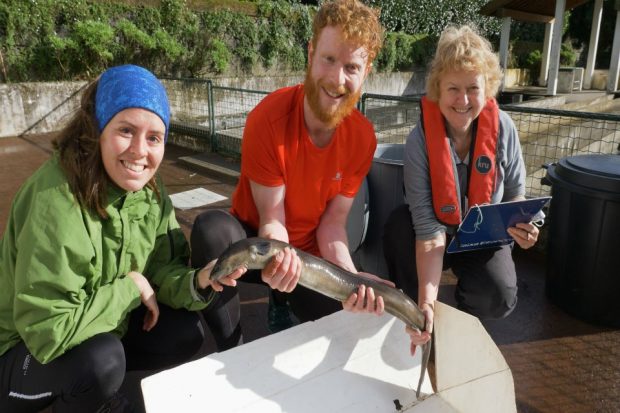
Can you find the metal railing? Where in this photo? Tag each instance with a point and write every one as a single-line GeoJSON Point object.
{"type": "Point", "coordinates": [392, 116]}
{"type": "Point", "coordinates": [230, 110]}
{"type": "Point", "coordinates": [546, 135]}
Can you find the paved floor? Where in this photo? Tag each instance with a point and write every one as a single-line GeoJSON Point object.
{"type": "Point", "coordinates": [559, 364]}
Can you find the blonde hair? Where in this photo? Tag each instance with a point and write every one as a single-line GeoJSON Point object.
{"type": "Point", "coordinates": [463, 49]}
{"type": "Point", "coordinates": [359, 23]}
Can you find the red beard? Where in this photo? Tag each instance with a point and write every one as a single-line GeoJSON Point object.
{"type": "Point", "coordinates": [331, 118]}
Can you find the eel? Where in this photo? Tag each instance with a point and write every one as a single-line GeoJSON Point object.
{"type": "Point", "coordinates": [325, 278]}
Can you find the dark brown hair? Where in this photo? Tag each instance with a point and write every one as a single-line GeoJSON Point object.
{"type": "Point", "coordinates": [79, 153]}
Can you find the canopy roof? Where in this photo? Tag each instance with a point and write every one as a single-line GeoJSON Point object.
{"type": "Point", "coordinates": [541, 11]}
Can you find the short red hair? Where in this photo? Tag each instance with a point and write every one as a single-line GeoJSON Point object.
{"type": "Point", "coordinates": [358, 22]}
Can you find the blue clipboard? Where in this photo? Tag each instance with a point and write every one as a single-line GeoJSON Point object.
{"type": "Point", "coordinates": [485, 226]}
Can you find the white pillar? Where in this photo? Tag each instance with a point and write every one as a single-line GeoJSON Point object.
{"type": "Point", "coordinates": [556, 43]}
{"type": "Point", "coordinates": [614, 65]}
{"type": "Point", "coordinates": [544, 64]}
{"type": "Point", "coordinates": [594, 33]}
{"type": "Point", "coordinates": [504, 43]}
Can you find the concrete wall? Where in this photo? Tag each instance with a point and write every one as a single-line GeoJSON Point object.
{"type": "Point", "coordinates": [517, 77]}
{"type": "Point", "coordinates": [401, 83]}
{"type": "Point", "coordinates": [36, 107]}
{"type": "Point", "coordinates": [44, 107]}
{"type": "Point", "coordinates": [599, 80]}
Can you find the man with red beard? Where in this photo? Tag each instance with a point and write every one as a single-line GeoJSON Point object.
{"type": "Point", "coordinates": [305, 153]}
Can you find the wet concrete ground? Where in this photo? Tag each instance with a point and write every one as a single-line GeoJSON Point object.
{"type": "Point", "coordinates": [559, 363]}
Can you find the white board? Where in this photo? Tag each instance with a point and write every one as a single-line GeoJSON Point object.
{"type": "Point", "coordinates": [341, 363]}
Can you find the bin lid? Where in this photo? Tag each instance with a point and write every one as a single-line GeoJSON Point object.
{"type": "Point", "coordinates": [389, 153]}
{"type": "Point", "coordinates": [598, 172]}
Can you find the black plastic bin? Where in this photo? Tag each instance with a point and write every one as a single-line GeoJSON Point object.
{"type": "Point", "coordinates": [385, 190]}
{"type": "Point", "coordinates": [583, 268]}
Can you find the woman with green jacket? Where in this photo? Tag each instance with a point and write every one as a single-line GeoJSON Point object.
{"type": "Point", "coordinates": [93, 265]}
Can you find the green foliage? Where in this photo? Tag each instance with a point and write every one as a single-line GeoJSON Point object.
{"type": "Point", "coordinates": [245, 38]}
{"type": "Point", "coordinates": [134, 36]}
{"type": "Point", "coordinates": [386, 59]}
{"type": "Point", "coordinates": [220, 55]}
{"type": "Point", "coordinates": [167, 45]}
{"type": "Point", "coordinates": [238, 6]}
{"type": "Point", "coordinates": [284, 30]}
{"type": "Point", "coordinates": [568, 55]}
{"type": "Point", "coordinates": [533, 61]}
{"type": "Point", "coordinates": [403, 52]}
{"type": "Point", "coordinates": [432, 16]}
{"type": "Point", "coordinates": [520, 51]}
{"type": "Point", "coordinates": [94, 43]}
{"type": "Point", "coordinates": [77, 39]}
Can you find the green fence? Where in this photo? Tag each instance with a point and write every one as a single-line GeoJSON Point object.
{"type": "Point", "coordinates": [546, 135]}
{"type": "Point", "coordinates": [230, 110]}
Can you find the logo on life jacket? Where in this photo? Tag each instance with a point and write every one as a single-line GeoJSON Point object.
{"type": "Point", "coordinates": [448, 209]}
{"type": "Point", "coordinates": [483, 164]}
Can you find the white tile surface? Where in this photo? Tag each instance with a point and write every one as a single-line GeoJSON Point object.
{"type": "Point", "coordinates": [195, 198]}
{"type": "Point", "coordinates": [343, 363]}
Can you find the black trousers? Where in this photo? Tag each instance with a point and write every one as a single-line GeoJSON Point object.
{"type": "Point", "coordinates": [487, 280]}
{"type": "Point", "coordinates": [86, 376]}
{"type": "Point", "coordinates": [213, 231]}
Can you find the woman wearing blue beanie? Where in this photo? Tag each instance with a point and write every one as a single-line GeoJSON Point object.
{"type": "Point", "coordinates": [93, 264]}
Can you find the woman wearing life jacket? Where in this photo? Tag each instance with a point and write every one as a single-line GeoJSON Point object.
{"type": "Point", "coordinates": [93, 264]}
{"type": "Point", "coordinates": [464, 151]}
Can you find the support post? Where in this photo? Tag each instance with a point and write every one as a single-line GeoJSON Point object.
{"type": "Point", "coordinates": [504, 42]}
{"type": "Point", "coordinates": [556, 44]}
{"type": "Point", "coordinates": [544, 64]}
{"type": "Point", "coordinates": [614, 65]}
{"type": "Point", "coordinates": [592, 48]}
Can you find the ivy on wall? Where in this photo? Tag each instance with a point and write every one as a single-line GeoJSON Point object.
{"type": "Point", "coordinates": [73, 39]}
{"type": "Point", "coordinates": [46, 40]}
{"type": "Point", "coordinates": [432, 16]}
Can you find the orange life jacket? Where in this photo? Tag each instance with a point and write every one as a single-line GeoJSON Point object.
{"type": "Point", "coordinates": [482, 169]}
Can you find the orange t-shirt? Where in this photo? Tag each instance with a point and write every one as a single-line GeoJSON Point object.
{"type": "Point", "coordinates": [276, 150]}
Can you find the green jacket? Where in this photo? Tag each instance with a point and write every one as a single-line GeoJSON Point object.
{"type": "Point", "coordinates": [63, 269]}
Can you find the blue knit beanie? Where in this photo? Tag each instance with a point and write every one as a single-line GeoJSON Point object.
{"type": "Point", "coordinates": [130, 86]}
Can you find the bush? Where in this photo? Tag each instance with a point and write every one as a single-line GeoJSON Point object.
{"type": "Point", "coordinates": [94, 44]}
{"type": "Point", "coordinates": [533, 62]}
{"type": "Point", "coordinates": [404, 52]}
{"type": "Point", "coordinates": [568, 55]}
{"type": "Point", "coordinates": [386, 59]}
{"type": "Point", "coordinates": [520, 51]}
{"type": "Point", "coordinates": [432, 16]}
{"type": "Point", "coordinates": [220, 55]}
{"type": "Point", "coordinates": [77, 39]}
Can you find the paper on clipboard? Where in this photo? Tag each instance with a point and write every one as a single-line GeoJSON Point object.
{"type": "Point", "coordinates": [484, 226]}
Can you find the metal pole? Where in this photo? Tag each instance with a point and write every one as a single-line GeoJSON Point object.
{"type": "Point", "coordinates": [210, 105]}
